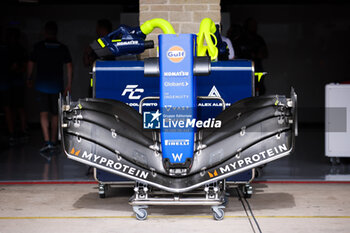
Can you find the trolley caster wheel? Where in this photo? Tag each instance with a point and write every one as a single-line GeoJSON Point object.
{"type": "Point", "coordinates": [218, 212]}
{"type": "Point", "coordinates": [102, 188]}
{"type": "Point", "coordinates": [247, 195]}
{"type": "Point", "coordinates": [142, 215]}
{"type": "Point", "coordinates": [247, 191]}
{"type": "Point", "coordinates": [140, 212]}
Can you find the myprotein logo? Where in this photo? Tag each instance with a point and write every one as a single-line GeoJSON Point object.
{"type": "Point", "coordinates": [111, 164]}
{"type": "Point", "coordinates": [176, 54]}
{"type": "Point", "coordinates": [249, 160]}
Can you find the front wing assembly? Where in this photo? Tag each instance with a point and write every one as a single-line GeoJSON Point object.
{"type": "Point", "coordinates": [108, 135]}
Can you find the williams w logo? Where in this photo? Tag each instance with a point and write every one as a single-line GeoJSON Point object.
{"type": "Point", "coordinates": [73, 152]}
{"type": "Point", "coordinates": [211, 175]}
{"type": "Point", "coordinates": [177, 156]}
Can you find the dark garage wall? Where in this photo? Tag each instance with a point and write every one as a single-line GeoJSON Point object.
{"type": "Point", "coordinates": [77, 28]}
{"type": "Point", "coordinates": [308, 46]}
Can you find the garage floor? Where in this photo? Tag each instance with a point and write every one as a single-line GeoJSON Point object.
{"type": "Point", "coordinates": [77, 208]}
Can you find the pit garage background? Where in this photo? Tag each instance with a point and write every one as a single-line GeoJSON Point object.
{"type": "Point", "coordinates": [308, 47]}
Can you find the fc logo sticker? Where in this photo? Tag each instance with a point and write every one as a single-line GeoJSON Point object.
{"type": "Point", "coordinates": [176, 54]}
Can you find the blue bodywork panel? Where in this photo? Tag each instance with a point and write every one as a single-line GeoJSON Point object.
{"type": "Point", "coordinates": [178, 96]}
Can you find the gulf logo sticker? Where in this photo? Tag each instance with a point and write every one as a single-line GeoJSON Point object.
{"type": "Point", "coordinates": [176, 54]}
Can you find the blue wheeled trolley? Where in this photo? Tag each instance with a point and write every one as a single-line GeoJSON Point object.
{"type": "Point", "coordinates": [228, 82]}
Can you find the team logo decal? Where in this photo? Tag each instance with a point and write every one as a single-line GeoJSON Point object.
{"type": "Point", "coordinates": [213, 174]}
{"type": "Point", "coordinates": [74, 152]}
{"type": "Point", "coordinates": [176, 54]}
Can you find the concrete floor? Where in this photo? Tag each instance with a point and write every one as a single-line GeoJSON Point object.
{"type": "Point", "coordinates": [77, 208]}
